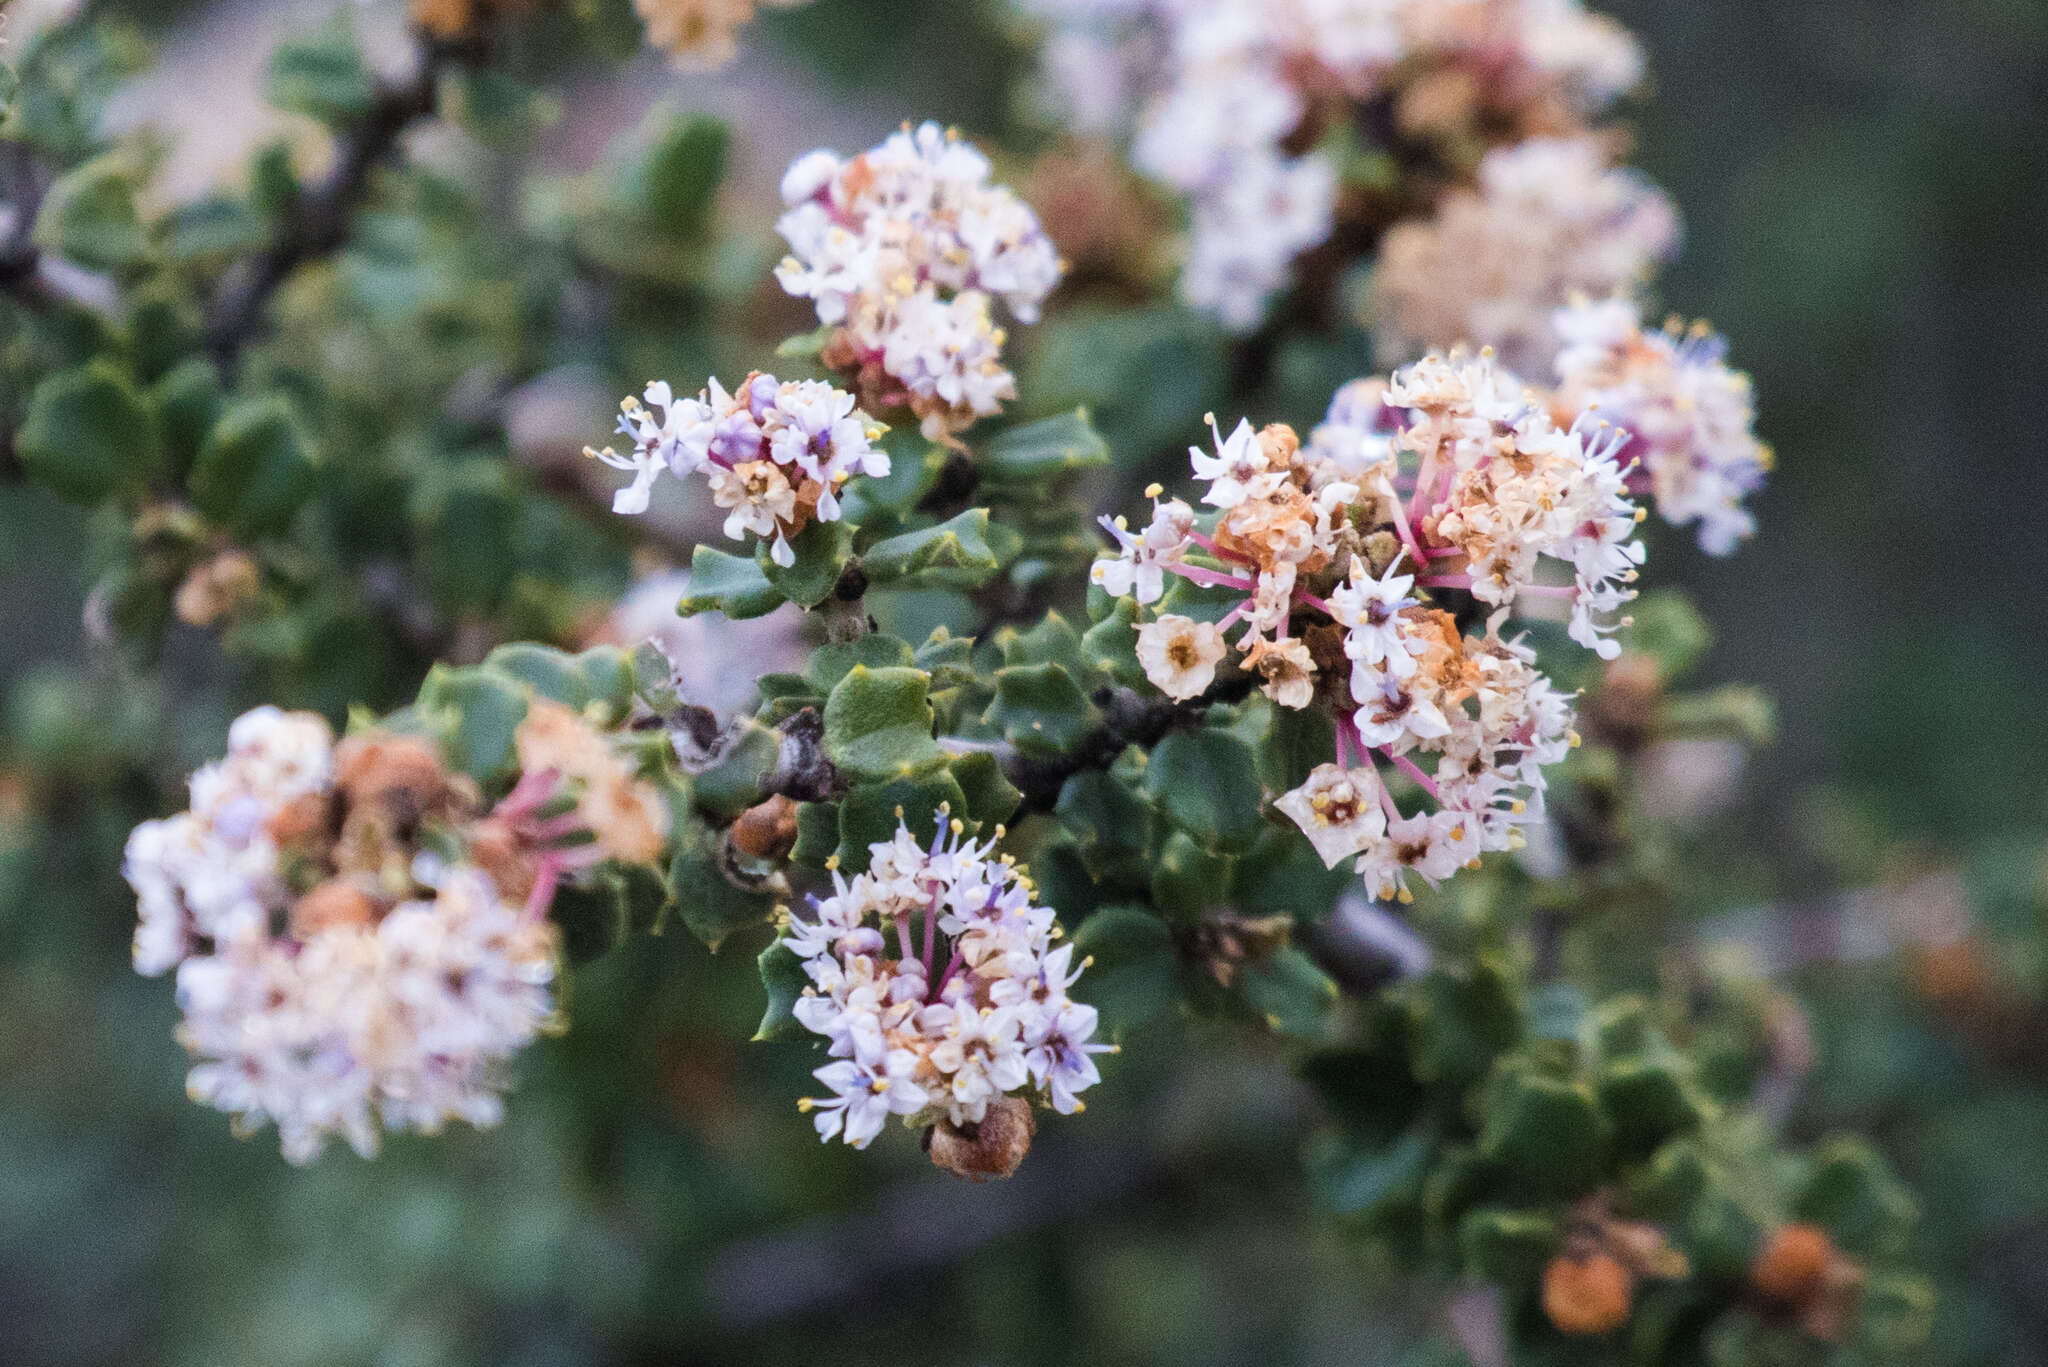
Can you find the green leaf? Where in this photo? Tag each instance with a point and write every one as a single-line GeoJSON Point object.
{"type": "Point", "coordinates": [602, 676]}
{"type": "Point", "coordinates": [89, 217]}
{"type": "Point", "coordinates": [1459, 1025]}
{"type": "Point", "coordinates": [188, 402]}
{"type": "Point", "coordinates": [1207, 784]}
{"type": "Point", "coordinates": [822, 550]}
{"type": "Point", "coordinates": [830, 662]}
{"type": "Point", "coordinates": [1550, 1132]}
{"type": "Point", "coordinates": [605, 908]}
{"type": "Point", "coordinates": [1040, 708]}
{"type": "Point", "coordinates": [805, 344]}
{"type": "Point", "coordinates": [1360, 1180]}
{"type": "Point", "coordinates": [817, 833]}
{"type": "Point", "coordinates": [216, 226]}
{"type": "Point", "coordinates": [878, 725]}
{"type": "Point", "coordinates": [1508, 1247]}
{"type": "Point", "coordinates": [89, 434]}
{"type": "Point", "coordinates": [954, 554]}
{"type": "Point", "coordinates": [676, 181]}
{"type": "Point", "coordinates": [1111, 645]}
{"type": "Point", "coordinates": [322, 76]}
{"type": "Point", "coordinates": [1111, 824]}
{"type": "Point", "coordinates": [1188, 881]}
{"type": "Point", "coordinates": [1131, 978]}
{"type": "Point", "coordinates": [1648, 1103]}
{"type": "Point", "coordinates": [914, 466]}
{"type": "Point", "coordinates": [991, 797]}
{"type": "Point", "coordinates": [1289, 991]}
{"type": "Point", "coordinates": [949, 659]}
{"type": "Point", "coordinates": [871, 813]}
{"type": "Point", "coordinates": [735, 783]}
{"type": "Point", "coordinates": [1852, 1194]}
{"type": "Point", "coordinates": [1045, 449]}
{"type": "Point", "coordinates": [1670, 630]}
{"type": "Point", "coordinates": [784, 980]}
{"type": "Point", "coordinates": [731, 584]}
{"type": "Point", "coordinates": [477, 713]}
{"type": "Point", "coordinates": [497, 109]}
{"type": "Point", "coordinates": [253, 470]}
{"type": "Point", "coordinates": [709, 903]}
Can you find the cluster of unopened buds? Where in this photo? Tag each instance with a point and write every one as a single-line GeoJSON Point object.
{"type": "Point", "coordinates": [775, 453]}
{"type": "Point", "coordinates": [936, 978]}
{"type": "Point", "coordinates": [1449, 479]}
{"type": "Point", "coordinates": [359, 942]}
{"type": "Point", "coordinates": [906, 248]}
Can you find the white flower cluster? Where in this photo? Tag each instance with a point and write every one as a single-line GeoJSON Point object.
{"type": "Point", "coordinates": [1448, 478]}
{"type": "Point", "coordinates": [1551, 219]}
{"type": "Point", "coordinates": [775, 453]}
{"type": "Point", "coordinates": [336, 1027]}
{"type": "Point", "coordinates": [1689, 417]}
{"type": "Point", "coordinates": [1216, 133]}
{"type": "Point", "coordinates": [935, 978]}
{"type": "Point", "coordinates": [1240, 80]}
{"type": "Point", "coordinates": [905, 249]}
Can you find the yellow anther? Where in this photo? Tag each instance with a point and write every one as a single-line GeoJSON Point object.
{"type": "Point", "coordinates": [1154, 489]}
{"type": "Point", "coordinates": [804, 1104]}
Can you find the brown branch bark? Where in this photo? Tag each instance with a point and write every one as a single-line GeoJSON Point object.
{"type": "Point", "coordinates": [317, 224]}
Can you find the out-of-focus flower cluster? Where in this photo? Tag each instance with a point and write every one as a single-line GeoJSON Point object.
{"type": "Point", "coordinates": [775, 453]}
{"type": "Point", "coordinates": [699, 35]}
{"type": "Point", "coordinates": [358, 942]}
{"type": "Point", "coordinates": [1451, 478]}
{"type": "Point", "coordinates": [1551, 218]}
{"type": "Point", "coordinates": [906, 249]}
{"type": "Point", "coordinates": [1689, 417]}
{"type": "Point", "coordinates": [1237, 104]}
{"type": "Point", "coordinates": [935, 977]}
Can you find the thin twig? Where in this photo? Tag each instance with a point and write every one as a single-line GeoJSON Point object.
{"type": "Point", "coordinates": [317, 223]}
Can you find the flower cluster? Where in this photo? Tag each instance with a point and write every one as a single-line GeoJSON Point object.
{"type": "Point", "coordinates": [1450, 478]}
{"type": "Point", "coordinates": [775, 453]}
{"type": "Point", "coordinates": [935, 978]}
{"type": "Point", "coordinates": [358, 943]}
{"type": "Point", "coordinates": [1551, 218]}
{"type": "Point", "coordinates": [1689, 417]}
{"type": "Point", "coordinates": [1235, 106]}
{"type": "Point", "coordinates": [699, 35]}
{"type": "Point", "coordinates": [906, 248]}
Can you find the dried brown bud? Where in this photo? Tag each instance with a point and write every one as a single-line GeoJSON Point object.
{"type": "Point", "coordinates": [1587, 1293]}
{"type": "Point", "coordinates": [1623, 710]}
{"type": "Point", "coordinates": [992, 1148]}
{"type": "Point", "coordinates": [217, 588]}
{"type": "Point", "coordinates": [766, 831]}
{"type": "Point", "coordinates": [494, 847]}
{"type": "Point", "coordinates": [336, 903]}
{"type": "Point", "coordinates": [1793, 1267]}
{"type": "Point", "coordinates": [306, 821]}
{"type": "Point", "coordinates": [1227, 941]}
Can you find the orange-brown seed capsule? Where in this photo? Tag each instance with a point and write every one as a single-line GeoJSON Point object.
{"type": "Point", "coordinates": [992, 1148]}
{"type": "Point", "coordinates": [766, 830]}
{"type": "Point", "coordinates": [1793, 1267]}
{"type": "Point", "coordinates": [1586, 1294]}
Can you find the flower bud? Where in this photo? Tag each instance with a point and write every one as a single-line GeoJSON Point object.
{"type": "Point", "coordinates": [766, 831]}
{"type": "Point", "coordinates": [334, 903]}
{"type": "Point", "coordinates": [1793, 1267]}
{"type": "Point", "coordinates": [1586, 1294]}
